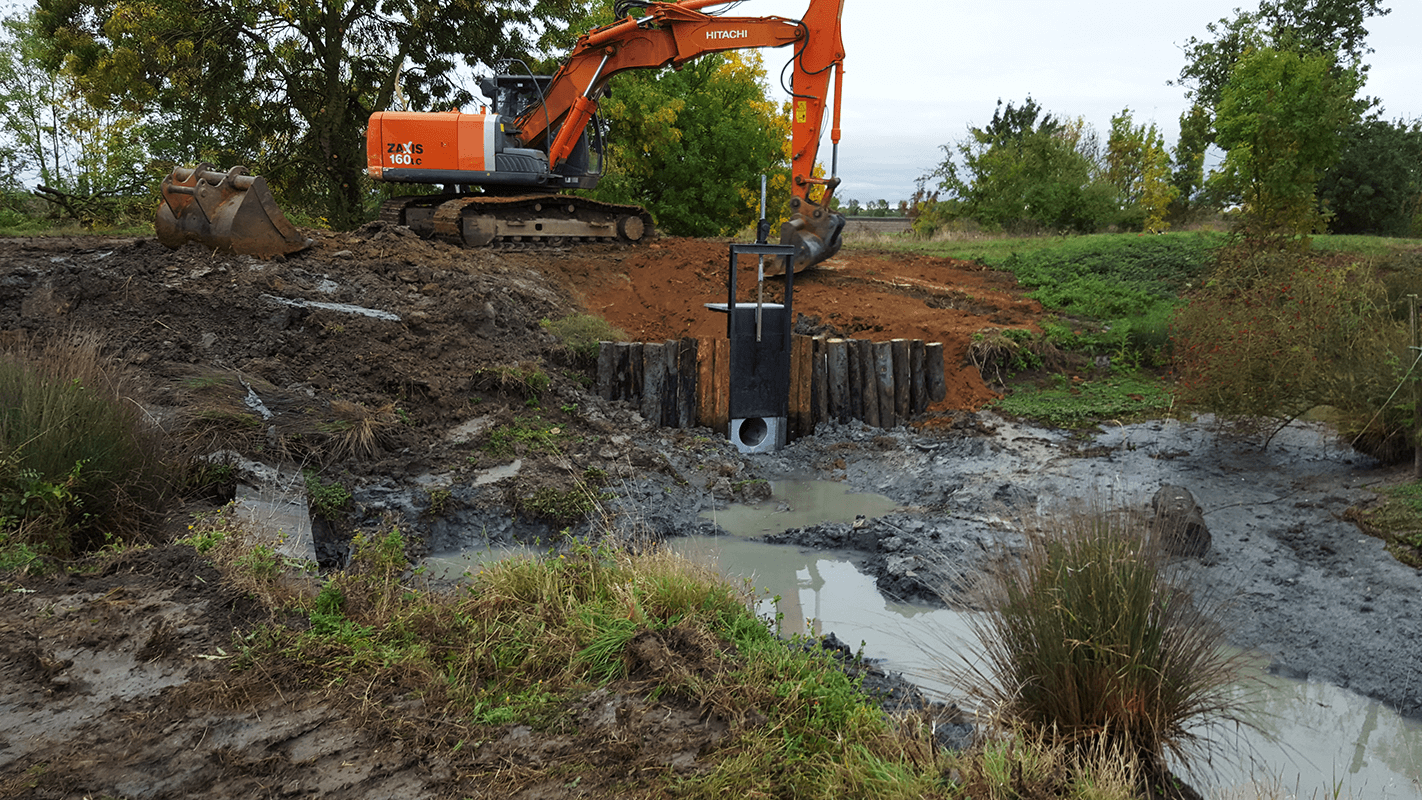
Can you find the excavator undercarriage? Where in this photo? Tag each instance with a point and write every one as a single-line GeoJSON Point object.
{"type": "Point", "coordinates": [480, 221]}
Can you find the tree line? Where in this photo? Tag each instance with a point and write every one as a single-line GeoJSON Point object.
{"type": "Point", "coordinates": [1277, 89]}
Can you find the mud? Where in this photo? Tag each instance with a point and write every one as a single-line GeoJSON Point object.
{"type": "Point", "coordinates": [119, 679]}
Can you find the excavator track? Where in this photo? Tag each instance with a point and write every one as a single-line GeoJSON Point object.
{"type": "Point", "coordinates": [525, 221]}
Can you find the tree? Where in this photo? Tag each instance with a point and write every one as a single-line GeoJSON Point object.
{"type": "Point", "coordinates": [1376, 186]}
{"type": "Point", "coordinates": [1281, 116]}
{"type": "Point", "coordinates": [1139, 167]}
{"type": "Point", "coordinates": [1188, 160]}
{"type": "Point", "coordinates": [1025, 169]}
{"type": "Point", "coordinates": [285, 86]}
{"type": "Point", "coordinates": [690, 145]}
{"type": "Point", "coordinates": [80, 156]}
{"type": "Point", "coordinates": [1331, 27]}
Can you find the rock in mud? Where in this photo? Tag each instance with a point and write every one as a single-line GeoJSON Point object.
{"type": "Point", "coordinates": [1180, 522]}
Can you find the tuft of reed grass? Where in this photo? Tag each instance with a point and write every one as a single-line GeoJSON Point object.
{"type": "Point", "coordinates": [81, 464]}
{"type": "Point", "coordinates": [1092, 638]}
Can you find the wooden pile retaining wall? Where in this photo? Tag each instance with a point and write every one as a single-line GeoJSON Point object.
{"type": "Point", "coordinates": [682, 383]}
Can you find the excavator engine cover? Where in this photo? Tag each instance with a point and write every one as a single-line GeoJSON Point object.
{"type": "Point", "coordinates": [231, 212]}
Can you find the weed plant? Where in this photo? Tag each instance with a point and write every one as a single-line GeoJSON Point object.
{"type": "Point", "coordinates": [1092, 639]}
{"type": "Point", "coordinates": [80, 464]}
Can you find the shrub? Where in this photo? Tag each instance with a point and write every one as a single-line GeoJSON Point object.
{"type": "Point", "coordinates": [79, 461]}
{"type": "Point", "coordinates": [1277, 333]}
{"type": "Point", "coordinates": [1092, 639]}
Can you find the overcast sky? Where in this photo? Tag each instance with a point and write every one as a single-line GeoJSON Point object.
{"type": "Point", "coordinates": [919, 72]}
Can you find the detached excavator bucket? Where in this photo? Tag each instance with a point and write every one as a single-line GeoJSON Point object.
{"type": "Point", "coordinates": [228, 211]}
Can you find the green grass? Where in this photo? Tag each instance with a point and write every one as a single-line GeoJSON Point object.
{"type": "Point", "coordinates": [1365, 245]}
{"type": "Point", "coordinates": [1077, 404]}
{"type": "Point", "coordinates": [1396, 519]}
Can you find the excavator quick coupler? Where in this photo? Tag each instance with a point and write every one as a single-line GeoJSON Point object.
{"type": "Point", "coordinates": [228, 211]}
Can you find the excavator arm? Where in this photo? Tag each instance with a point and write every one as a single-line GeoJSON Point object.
{"type": "Point", "coordinates": [674, 33]}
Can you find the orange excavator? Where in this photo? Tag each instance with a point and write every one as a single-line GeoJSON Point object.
{"type": "Point", "coordinates": [505, 167]}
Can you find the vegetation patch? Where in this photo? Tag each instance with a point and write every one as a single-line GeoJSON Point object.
{"type": "Point", "coordinates": [580, 334]}
{"type": "Point", "coordinates": [526, 434]}
{"type": "Point", "coordinates": [527, 379]}
{"type": "Point", "coordinates": [1077, 403]}
{"type": "Point", "coordinates": [80, 465]}
{"type": "Point", "coordinates": [1396, 518]}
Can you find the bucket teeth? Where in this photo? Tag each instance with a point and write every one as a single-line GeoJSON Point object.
{"type": "Point", "coordinates": [230, 211]}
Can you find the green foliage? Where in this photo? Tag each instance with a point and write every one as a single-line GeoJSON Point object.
{"type": "Point", "coordinates": [1138, 165]}
{"type": "Point", "coordinates": [1280, 119]}
{"type": "Point", "coordinates": [1188, 162]}
{"type": "Point", "coordinates": [1077, 404]}
{"type": "Point", "coordinates": [90, 158]}
{"type": "Point", "coordinates": [1376, 186]}
{"type": "Point", "coordinates": [1129, 283]}
{"type": "Point", "coordinates": [1091, 638]}
{"type": "Point", "coordinates": [690, 145]}
{"type": "Point", "coordinates": [1334, 28]}
{"type": "Point", "coordinates": [1276, 334]}
{"type": "Point", "coordinates": [580, 334]}
{"type": "Point", "coordinates": [1022, 172]}
{"type": "Point", "coordinates": [283, 88]}
{"type": "Point", "coordinates": [327, 500]}
{"type": "Point", "coordinates": [532, 434]}
{"type": "Point", "coordinates": [78, 462]}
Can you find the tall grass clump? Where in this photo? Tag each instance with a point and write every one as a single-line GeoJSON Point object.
{"type": "Point", "coordinates": [80, 463]}
{"type": "Point", "coordinates": [1091, 638]}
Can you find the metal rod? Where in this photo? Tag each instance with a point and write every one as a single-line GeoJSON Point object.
{"type": "Point", "coordinates": [760, 267]}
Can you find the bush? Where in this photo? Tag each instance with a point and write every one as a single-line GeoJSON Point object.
{"type": "Point", "coordinates": [1277, 333]}
{"type": "Point", "coordinates": [1092, 639]}
{"type": "Point", "coordinates": [79, 462]}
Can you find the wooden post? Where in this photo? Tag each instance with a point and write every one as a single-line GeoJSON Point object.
{"type": "Point", "coordinates": [853, 381]}
{"type": "Point", "coordinates": [933, 368]}
{"type": "Point", "coordinates": [884, 373]}
{"type": "Point", "coordinates": [820, 381]}
{"type": "Point", "coordinates": [869, 386]}
{"type": "Point", "coordinates": [1416, 396]}
{"type": "Point", "coordinates": [686, 375]}
{"type": "Point", "coordinates": [632, 388]}
{"type": "Point", "coordinates": [802, 385]}
{"type": "Point", "coordinates": [722, 418]}
{"type": "Point", "coordinates": [622, 371]}
{"type": "Point", "coordinates": [902, 388]}
{"type": "Point", "coordinates": [654, 375]}
{"type": "Point", "coordinates": [837, 377]}
{"type": "Point", "coordinates": [606, 365]}
{"type": "Point", "coordinates": [918, 391]}
{"type": "Point", "coordinates": [705, 382]}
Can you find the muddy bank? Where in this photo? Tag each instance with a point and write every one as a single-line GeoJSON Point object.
{"type": "Point", "coordinates": [1322, 600]}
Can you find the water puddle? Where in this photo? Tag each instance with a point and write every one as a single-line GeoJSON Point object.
{"type": "Point", "coordinates": [795, 504]}
{"type": "Point", "coordinates": [1323, 736]}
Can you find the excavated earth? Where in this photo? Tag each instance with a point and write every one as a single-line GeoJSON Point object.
{"type": "Point", "coordinates": [117, 677]}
